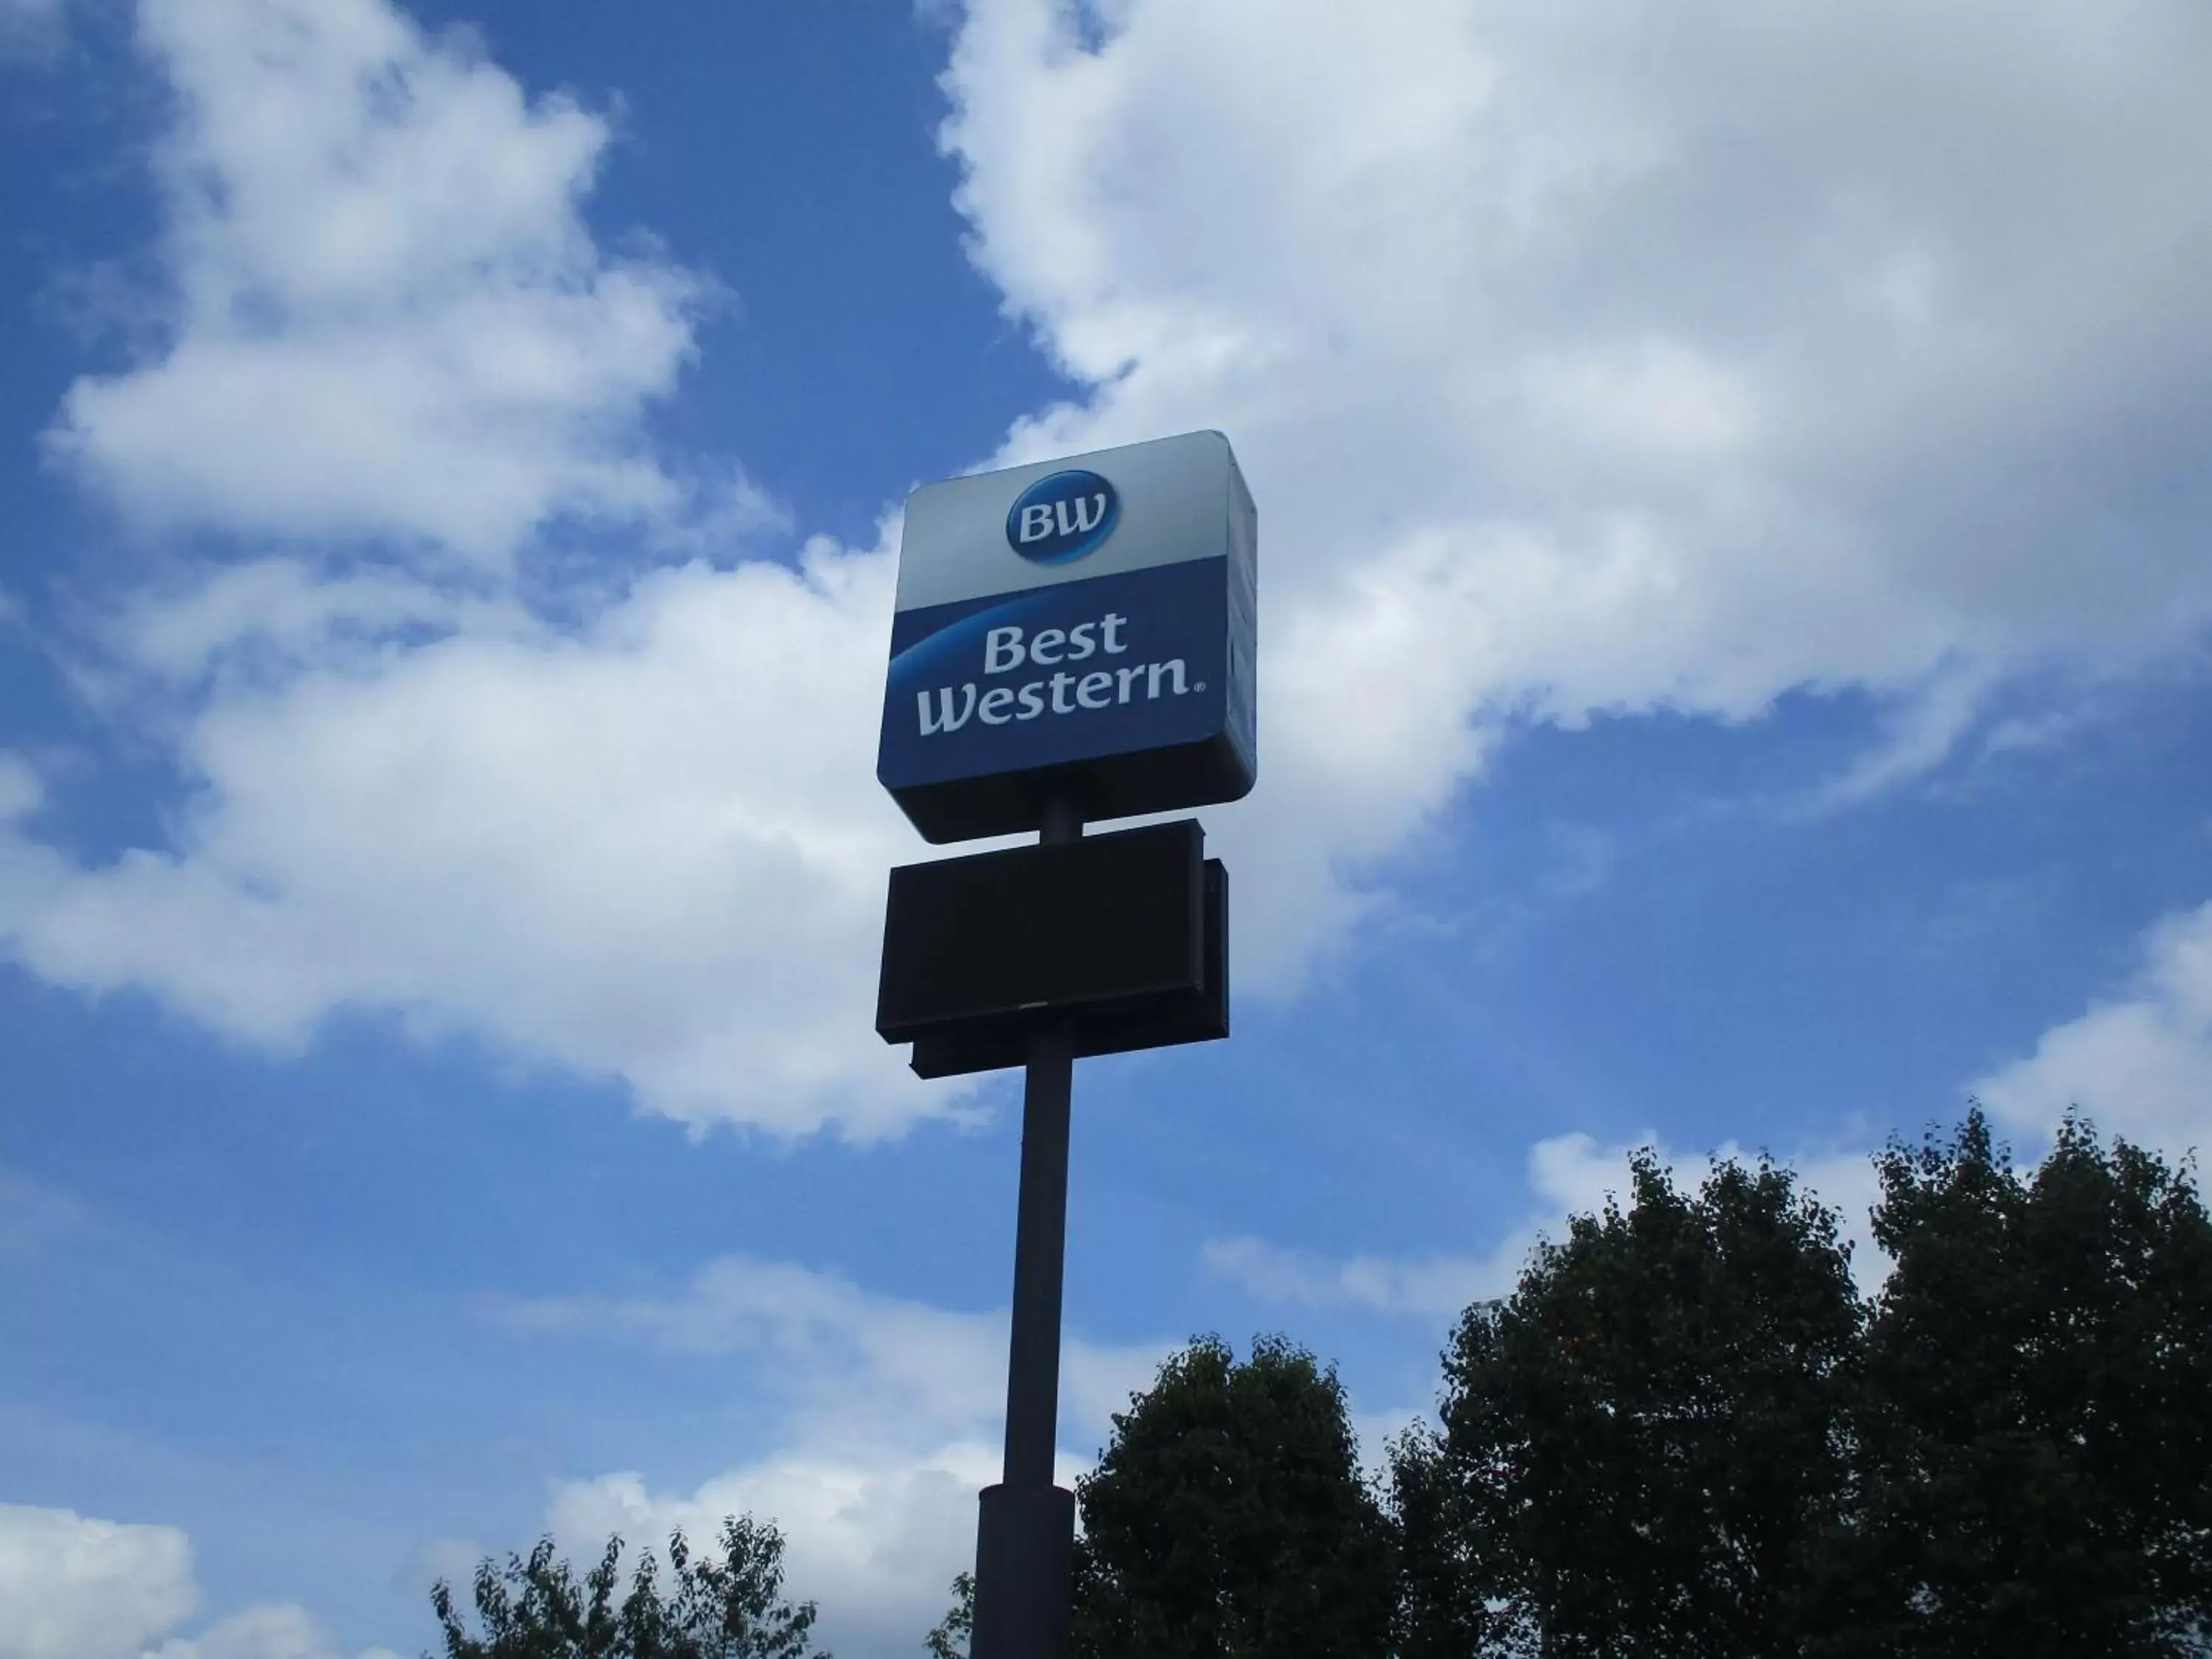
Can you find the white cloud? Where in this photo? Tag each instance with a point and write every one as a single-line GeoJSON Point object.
{"type": "Point", "coordinates": [639, 839]}
{"type": "Point", "coordinates": [271, 616]}
{"type": "Point", "coordinates": [850, 1364]}
{"type": "Point", "coordinates": [390, 319]}
{"type": "Point", "coordinates": [875, 1540]}
{"type": "Point", "coordinates": [1568, 1175]}
{"type": "Point", "coordinates": [892, 1412]}
{"type": "Point", "coordinates": [271, 1631]}
{"type": "Point", "coordinates": [1923, 732]}
{"type": "Point", "coordinates": [619, 850]}
{"type": "Point", "coordinates": [76, 1588]}
{"type": "Point", "coordinates": [1585, 359]}
{"type": "Point", "coordinates": [1581, 362]}
{"type": "Point", "coordinates": [1433, 1287]}
{"type": "Point", "coordinates": [2139, 1063]}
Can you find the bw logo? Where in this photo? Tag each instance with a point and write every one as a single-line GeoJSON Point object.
{"type": "Point", "coordinates": [1062, 516]}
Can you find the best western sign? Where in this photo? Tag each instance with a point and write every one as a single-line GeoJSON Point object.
{"type": "Point", "coordinates": [1082, 625]}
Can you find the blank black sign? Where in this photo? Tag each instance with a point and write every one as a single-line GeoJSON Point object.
{"type": "Point", "coordinates": [999, 936]}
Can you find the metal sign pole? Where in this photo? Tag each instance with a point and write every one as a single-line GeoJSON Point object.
{"type": "Point", "coordinates": [1071, 638]}
{"type": "Point", "coordinates": [1025, 1535]}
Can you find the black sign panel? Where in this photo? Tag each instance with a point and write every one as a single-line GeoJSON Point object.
{"type": "Point", "coordinates": [1126, 934]}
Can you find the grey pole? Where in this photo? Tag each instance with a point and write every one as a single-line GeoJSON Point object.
{"type": "Point", "coordinates": [1026, 1534]}
{"type": "Point", "coordinates": [1040, 1250]}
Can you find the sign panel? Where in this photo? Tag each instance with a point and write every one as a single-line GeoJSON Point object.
{"type": "Point", "coordinates": [1125, 935]}
{"type": "Point", "coordinates": [1085, 625]}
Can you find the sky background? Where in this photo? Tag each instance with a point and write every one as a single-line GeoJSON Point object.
{"type": "Point", "coordinates": [1735, 596]}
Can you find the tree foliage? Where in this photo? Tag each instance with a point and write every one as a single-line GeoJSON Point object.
{"type": "Point", "coordinates": [2036, 1415]}
{"type": "Point", "coordinates": [1685, 1433]}
{"type": "Point", "coordinates": [725, 1604]}
{"type": "Point", "coordinates": [1228, 1519]}
{"type": "Point", "coordinates": [1639, 1450]}
{"type": "Point", "coordinates": [957, 1630]}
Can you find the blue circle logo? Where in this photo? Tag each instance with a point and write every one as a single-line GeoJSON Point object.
{"type": "Point", "coordinates": [1063, 516]}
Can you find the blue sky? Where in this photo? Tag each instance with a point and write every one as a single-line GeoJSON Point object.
{"type": "Point", "coordinates": [1734, 594]}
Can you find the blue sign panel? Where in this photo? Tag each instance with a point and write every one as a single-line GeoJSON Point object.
{"type": "Point", "coordinates": [1077, 628]}
{"type": "Point", "coordinates": [1058, 674]}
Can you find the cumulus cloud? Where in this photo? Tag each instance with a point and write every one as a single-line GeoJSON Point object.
{"type": "Point", "coordinates": [892, 1411]}
{"type": "Point", "coordinates": [1569, 1175]}
{"type": "Point", "coordinates": [632, 832]}
{"type": "Point", "coordinates": [76, 1588]}
{"type": "Point", "coordinates": [1582, 361]}
{"type": "Point", "coordinates": [275, 1631]}
{"type": "Point", "coordinates": [391, 321]}
{"type": "Point", "coordinates": [848, 1355]}
{"type": "Point", "coordinates": [1433, 1287]}
{"type": "Point", "coordinates": [875, 1540]}
{"type": "Point", "coordinates": [2139, 1061]}
{"type": "Point", "coordinates": [616, 850]}
{"type": "Point", "coordinates": [1585, 359]}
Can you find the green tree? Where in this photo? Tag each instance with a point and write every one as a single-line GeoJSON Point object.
{"type": "Point", "coordinates": [2037, 1422]}
{"type": "Point", "coordinates": [1228, 1518]}
{"type": "Point", "coordinates": [1642, 1449]}
{"type": "Point", "coordinates": [956, 1629]}
{"type": "Point", "coordinates": [727, 1604]}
